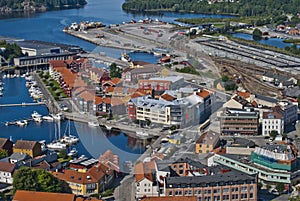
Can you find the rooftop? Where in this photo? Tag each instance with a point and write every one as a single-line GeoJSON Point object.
{"type": "Point", "coordinates": [25, 144]}
{"type": "Point", "coordinates": [45, 196]}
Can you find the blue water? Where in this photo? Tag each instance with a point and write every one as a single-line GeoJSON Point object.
{"type": "Point", "coordinates": [48, 26]}
{"type": "Point", "coordinates": [276, 42]}
{"type": "Point", "coordinates": [93, 141]}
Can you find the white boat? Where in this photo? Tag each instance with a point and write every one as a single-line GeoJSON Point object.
{"type": "Point", "coordinates": [22, 123]}
{"type": "Point", "coordinates": [56, 146]}
{"type": "Point", "coordinates": [73, 152]}
{"type": "Point", "coordinates": [48, 118]}
{"type": "Point", "coordinates": [108, 127]}
{"type": "Point", "coordinates": [57, 117]}
{"type": "Point", "coordinates": [93, 123]}
{"type": "Point", "coordinates": [38, 119]}
{"type": "Point", "coordinates": [35, 114]}
{"type": "Point", "coordinates": [4, 76]}
{"type": "Point", "coordinates": [141, 134]}
{"type": "Point", "coordinates": [125, 57]}
{"type": "Point", "coordinates": [1, 93]}
{"type": "Point", "coordinates": [68, 138]}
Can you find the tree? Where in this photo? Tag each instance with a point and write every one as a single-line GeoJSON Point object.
{"type": "Point", "coordinates": [280, 187]}
{"type": "Point", "coordinates": [115, 71]}
{"type": "Point", "coordinates": [3, 153]}
{"type": "Point", "coordinates": [257, 34]}
{"type": "Point", "coordinates": [273, 134]}
{"type": "Point", "coordinates": [37, 180]}
{"type": "Point", "coordinates": [63, 154]}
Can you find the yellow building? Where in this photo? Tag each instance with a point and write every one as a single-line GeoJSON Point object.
{"type": "Point", "coordinates": [32, 148]}
{"type": "Point", "coordinates": [87, 182]}
{"type": "Point", "coordinates": [207, 142]}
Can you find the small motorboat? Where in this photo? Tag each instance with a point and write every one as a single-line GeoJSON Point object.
{"type": "Point", "coordinates": [48, 118]}
{"type": "Point", "coordinates": [22, 123]}
{"type": "Point", "coordinates": [38, 119]}
{"type": "Point", "coordinates": [73, 153]}
{"type": "Point", "coordinates": [57, 117]}
{"type": "Point", "coordinates": [35, 114]}
{"type": "Point", "coordinates": [56, 146]}
{"type": "Point", "coordinates": [69, 139]}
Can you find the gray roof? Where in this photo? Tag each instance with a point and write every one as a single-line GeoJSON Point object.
{"type": "Point", "coordinates": [292, 92]}
{"type": "Point", "coordinates": [220, 178]}
{"type": "Point", "coordinates": [266, 98]}
{"type": "Point", "coordinates": [19, 156]}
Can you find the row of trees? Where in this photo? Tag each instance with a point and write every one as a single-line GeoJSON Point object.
{"type": "Point", "coordinates": [242, 7]}
{"type": "Point", "coordinates": [49, 4]}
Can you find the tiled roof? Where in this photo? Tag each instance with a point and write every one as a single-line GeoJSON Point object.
{"type": "Point", "coordinates": [111, 160]}
{"type": "Point", "coordinates": [75, 177]}
{"type": "Point", "coordinates": [24, 144]}
{"type": "Point", "coordinates": [44, 196]}
{"type": "Point", "coordinates": [144, 170]}
{"type": "Point", "coordinates": [7, 167]}
{"type": "Point", "coordinates": [203, 93]}
{"type": "Point", "coordinates": [116, 101]}
{"type": "Point", "coordinates": [87, 95]}
{"type": "Point", "coordinates": [244, 94]}
{"type": "Point", "coordinates": [57, 63]}
{"type": "Point", "coordinates": [98, 100]}
{"type": "Point", "coordinates": [168, 97]}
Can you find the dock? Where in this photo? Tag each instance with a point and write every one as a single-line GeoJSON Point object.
{"type": "Point", "coordinates": [22, 104]}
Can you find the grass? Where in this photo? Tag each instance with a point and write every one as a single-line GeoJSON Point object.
{"type": "Point", "coordinates": [53, 84]}
{"type": "Point", "coordinates": [108, 192]}
{"type": "Point", "coordinates": [64, 160]}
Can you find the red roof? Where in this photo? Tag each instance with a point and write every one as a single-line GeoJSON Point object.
{"type": "Point", "coordinates": [44, 196]}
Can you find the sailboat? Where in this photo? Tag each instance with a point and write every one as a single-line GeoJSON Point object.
{"type": "Point", "coordinates": [56, 145]}
{"type": "Point", "coordinates": [68, 138]}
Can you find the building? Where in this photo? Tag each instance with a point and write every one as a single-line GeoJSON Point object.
{"type": "Point", "coordinates": [239, 122]}
{"type": "Point", "coordinates": [90, 181]}
{"type": "Point", "coordinates": [6, 172]}
{"type": "Point", "coordinates": [241, 146]}
{"type": "Point", "coordinates": [161, 83]}
{"type": "Point", "coordinates": [187, 177]}
{"type": "Point", "coordinates": [22, 195]}
{"type": "Point", "coordinates": [272, 121]}
{"type": "Point", "coordinates": [178, 198]}
{"type": "Point", "coordinates": [237, 102]}
{"type": "Point", "coordinates": [145, 181]}
{"type": "Point", "coordinates": [32, 148]}
{"type": "Point", "coordinates": [207, 142]}
{"type": "Point", "coordinates": [279, 80]}
{"type": "Point", "coordinates": [7, 145]}
{"type": "Point", "coordinates": [132, 75]}
{"type": "Point", "coordinates": [289, 110]}
{"type": "Point", "coordinates": [272, 163]}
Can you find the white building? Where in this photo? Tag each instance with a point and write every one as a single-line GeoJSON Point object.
{"type": "Point", "coordinates": [6, 172]}
{"type": "Point", "coordinates": [272, 120]}
{"type": "Point", "coordinates": [146, 185]}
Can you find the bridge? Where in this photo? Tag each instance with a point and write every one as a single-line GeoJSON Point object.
{"type": "Point", "coordinates": [21, 104]}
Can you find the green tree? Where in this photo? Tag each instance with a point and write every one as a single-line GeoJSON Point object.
{"type": "Point", "coordinates": [115, 71]}
{"type": "Point", "coordinates": [3, 153]}
{"type": "Point", "coordinates": [273, 134]}
{"type": "Point", "coordinates": [257, 34]}
{"type": "Point", "coordinates": [37, 180]}
{"type": "Point", "coordinates": [63, 154]}
{"type": "Point", "coordinates": [280, 187]}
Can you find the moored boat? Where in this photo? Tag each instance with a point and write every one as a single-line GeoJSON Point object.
{"type": "Point", "coordinates": [48, 118]}
{"type": "Point", "coordinates": [56, 146]}
{"type": "Point", "coordinates": [73, 153]}
{"type": "Point", "coordinates": [22, 123]}
{"type": "Point", "coordinates": [35, 114]}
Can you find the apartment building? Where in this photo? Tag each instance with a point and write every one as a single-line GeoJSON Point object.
{"type": "Point", "coordinates": [239, 122]}
{"type": "Point", "coordinates": [207, 142]}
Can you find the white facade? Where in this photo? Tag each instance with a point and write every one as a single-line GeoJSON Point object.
{"type": "Point", "coordinates": [271, 124]}
{"type": "Point", "coordinates": [6, 177]}
{"type": "Point", "coordinates": [146, 188]}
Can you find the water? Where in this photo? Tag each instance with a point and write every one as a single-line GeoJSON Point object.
{"type": "Point", "coordinates": [93, 141]}
{"type": "Point", "coordinates": [276, 42]}
{"type": "Point", "coordinates": [48, 26]}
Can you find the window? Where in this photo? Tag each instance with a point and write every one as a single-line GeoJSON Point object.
{"type": "Point", "coordinates": [170, 193]}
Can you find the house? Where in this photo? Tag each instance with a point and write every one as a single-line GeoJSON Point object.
{"type": "Point", "coordinates": [110, 160]}
{"type": "Point", "coordinates": [98, 75]}
{"type": "Point", "coordinates": [161, 83]}
{"type": "Point", "coordinates": [237, 102]}
{"type": "Point", "coordinates": [272, 121]}
{"type": "Point", "coordinates": [207, 142]}
{"type": "Point", "coordinates": [6, 172]}
{"type": "Point", "coordinates": [289, 110]}
{"type": "Point", "coordinates": [32, 148]}
{"type": "Point", "coordinates": [22, 195]}
{"type": "Point", "coordinates": [7, 145]}
{"type": "Point", "coordinates": [94, 180]}
{"type": "Point", "coordinates": [145, 180]}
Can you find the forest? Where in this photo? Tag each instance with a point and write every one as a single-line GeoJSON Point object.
{"type": "Point", "coordinates": [241, 7]}
{"type": "Point", "coordinates": [47, 4]}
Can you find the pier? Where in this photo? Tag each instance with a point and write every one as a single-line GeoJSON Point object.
{"type": "Point", "coordinates": [21, 104]}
